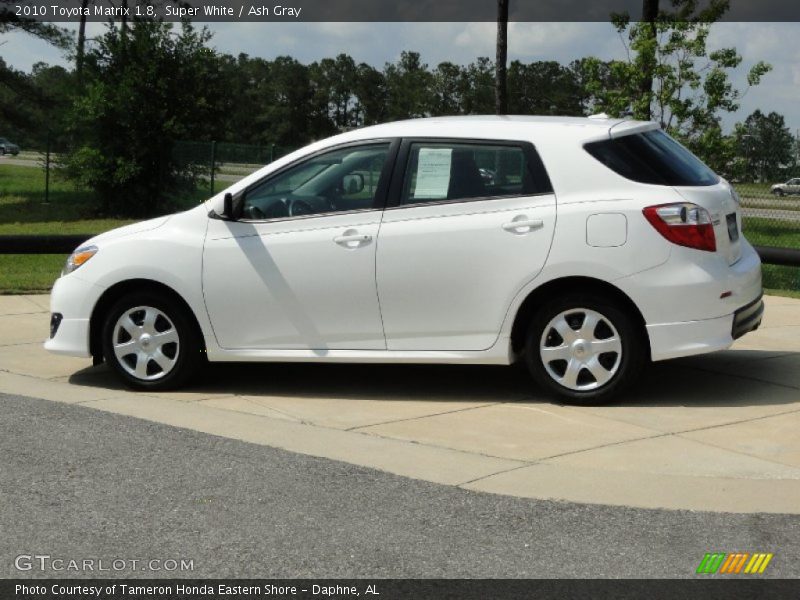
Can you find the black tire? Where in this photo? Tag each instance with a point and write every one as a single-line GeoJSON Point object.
{"type": "Point", "coordinates": [778, 193]}
{"type": "Point", "coordinates": [189, 351]}
{"type": "Point", "coordinates": [626, 365]}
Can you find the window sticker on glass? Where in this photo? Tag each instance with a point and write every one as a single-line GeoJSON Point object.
{"type": "Point", "coordinates": [433, 173]}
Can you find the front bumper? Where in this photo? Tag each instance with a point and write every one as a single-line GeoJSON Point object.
{"type": "Point", "coordinates": [71, 339]}
{"type": "Point", "coordinates": [74, 299]}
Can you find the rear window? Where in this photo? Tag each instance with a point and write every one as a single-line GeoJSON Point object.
{"type": "Point", "coordinates": [652, 157]}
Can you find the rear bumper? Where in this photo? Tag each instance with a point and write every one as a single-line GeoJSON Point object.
{"type": "Point", "coordinates": [747, 318]}
{"type": "Point", "coordinates": [673, 340]}
{"type": "Point", "coordinates": [697, 306]}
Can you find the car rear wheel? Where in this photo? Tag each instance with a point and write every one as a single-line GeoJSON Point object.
{"type": "Point", "coordinates": [150, 341]}
{"type": "Point", "coordinates": [778, 192]}
{"type": "Point", "coordinates": [584, 348]}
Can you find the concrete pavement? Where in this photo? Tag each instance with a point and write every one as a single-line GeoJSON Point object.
{"type": "Point", "coordinates": [77, 483]}
{"type": "Point", "coordinates": [716, 432]}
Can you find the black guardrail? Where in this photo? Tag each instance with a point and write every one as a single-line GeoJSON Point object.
{"type": "Point", "coordinates": [42, 244]}
{"type": "Point", "coordinates": [65, 244]}
{"type": "Point", "coordinates": [770, 255]}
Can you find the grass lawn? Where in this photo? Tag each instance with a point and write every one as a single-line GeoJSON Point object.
{"type": "Point", "coordinates": [770, 232]}
{"type": "Point", "coordinates": [70, 211]}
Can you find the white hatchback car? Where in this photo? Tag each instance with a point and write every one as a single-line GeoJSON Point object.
{"type": "Point", "coordinates": [594, 246]}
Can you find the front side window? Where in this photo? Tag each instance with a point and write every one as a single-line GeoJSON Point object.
{"type": "Point", "coordinates": [438, 172]}
{"type": "Point", "coordinates": [652, 157]}
{"type": "Point", "coordinates": [341, 180]}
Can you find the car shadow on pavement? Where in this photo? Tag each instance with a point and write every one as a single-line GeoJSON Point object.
{"type": "Point", "coordinates": [730, 378]}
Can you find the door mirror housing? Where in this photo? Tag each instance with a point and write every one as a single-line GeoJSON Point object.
{"type": "Point", "coordinates": [233, 206]}
{"type": "Point", "coordinates": [353, 183]}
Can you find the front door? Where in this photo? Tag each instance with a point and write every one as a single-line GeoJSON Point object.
{"type": "Point", "coordinates": [298, 271]}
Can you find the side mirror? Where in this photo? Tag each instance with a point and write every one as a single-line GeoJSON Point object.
{"type": "Point", "coordinates": [353, 183]}
{"type": "Point", "coordinates": [233, 207]}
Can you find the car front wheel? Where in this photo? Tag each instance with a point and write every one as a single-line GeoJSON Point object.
{"type": "Point", "coordinates": [585, 349]}
{"type": "Point", "coordinates": [778, 192]}
{"type": "Point", "coordinates": [150, 341]}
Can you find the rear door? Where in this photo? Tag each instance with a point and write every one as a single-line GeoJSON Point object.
{"type": "Point", "coordinates": [469, 223]}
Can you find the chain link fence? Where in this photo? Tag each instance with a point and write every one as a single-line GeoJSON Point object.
{"type": "Point", "coordinates": [224, 161]}
{"type": "Point", "coordinates": [771, 208]}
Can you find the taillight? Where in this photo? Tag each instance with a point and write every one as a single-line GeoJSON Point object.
{"type": "Point", "coordinates": [683, 223]}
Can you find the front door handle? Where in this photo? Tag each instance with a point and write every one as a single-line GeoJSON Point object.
{"type": "Point", "coordinates": [352, 239]}
{"type": "Point", "coordinates": [522, 224]}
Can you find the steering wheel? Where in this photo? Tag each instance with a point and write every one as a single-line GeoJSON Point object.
{"type": "Point", "coordinates": [255, 213]}
{"type": "Point", "coordinates": [300, 207]}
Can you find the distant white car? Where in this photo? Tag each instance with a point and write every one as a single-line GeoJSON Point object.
{"type": "Point", "coordinates": [790, 187]}
{"type": "Point", "coordinates": [7, 147]}
{"type": "Point", "coordinates": [596, 246]}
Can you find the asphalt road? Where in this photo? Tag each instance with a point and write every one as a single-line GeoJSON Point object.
{"type": "Point", "coordinates": [77, 483]}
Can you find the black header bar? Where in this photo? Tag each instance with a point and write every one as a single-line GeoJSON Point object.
{"type": "Point", "coordinates": [376, 10]}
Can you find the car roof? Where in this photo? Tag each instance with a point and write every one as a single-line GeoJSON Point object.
{"type": "Point", "coordinates": [509, 127]}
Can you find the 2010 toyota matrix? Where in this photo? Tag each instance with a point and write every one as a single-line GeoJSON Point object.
{"type": "Point", "coordinates": [585, 247]}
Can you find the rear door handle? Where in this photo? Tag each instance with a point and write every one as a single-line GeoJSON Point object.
{"type": "Point", "coordinates": [352, 240]}
{"type": "Point", "coordinates": [522, 224]}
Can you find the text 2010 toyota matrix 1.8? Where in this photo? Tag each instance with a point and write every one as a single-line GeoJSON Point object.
{"type": "Point", "coordinates": [585, 247]}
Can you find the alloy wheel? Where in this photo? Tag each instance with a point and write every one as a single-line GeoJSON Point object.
{"type": "Point", "coordinates": [146, 343]}
{"type": "Point", "coordinates": [581, 349]}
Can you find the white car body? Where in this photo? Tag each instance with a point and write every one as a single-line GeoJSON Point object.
{"type": "Point", "coordinates": [790, 187]}
{"type": "Point", "coordinates": [428, 283]}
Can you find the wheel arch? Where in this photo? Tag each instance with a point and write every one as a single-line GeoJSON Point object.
{"type": "Point", "coordinates": [117, 291]}
{"type": "Point", "coordinates": [537, 297]}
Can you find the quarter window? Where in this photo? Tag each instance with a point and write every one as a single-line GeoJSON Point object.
{"type": "Point", "coordinates": [341, 180]}
{"type": "Point", "coordinates": [441, 172]}
{"type": "Point", "coordinates": [652, 157]}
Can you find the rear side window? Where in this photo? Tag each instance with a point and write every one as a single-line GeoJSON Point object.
{"type": "Point", "coordinates": [446, 172]}
{"type": "Point", "coordinates": [652, 157]}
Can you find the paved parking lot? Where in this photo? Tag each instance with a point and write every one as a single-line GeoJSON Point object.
{"type": "Point", "coordinates": [716, 432]}
{"type": "Point", "coordinates": [77, 483]}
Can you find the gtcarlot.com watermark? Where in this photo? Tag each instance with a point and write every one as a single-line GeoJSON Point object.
{"type": "Point", "coordinates": [47, 563]}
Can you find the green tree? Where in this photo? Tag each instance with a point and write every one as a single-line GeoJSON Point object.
{"type": "Point", "coordinates": [408, 87]}
{"type": "Point", "coordinates": [371, 94]}
{"type": "Point", "coordinates": [20, 98]}
{"type": "Point", "coordinates": [670, 76]}
{"type": "Point", "coordinates": [544, 88]}
{"type": "Point", "coordinates": [764, 146]}
{"type": "Point", "coordinates": [479, 89]}
{"type": "Point", "coordinates": [145, 88]}
{"type": "Point", "coordinates": [448, 86]}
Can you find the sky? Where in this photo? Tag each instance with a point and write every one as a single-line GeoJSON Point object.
{"type": "Point", "coordinates": [378, 43]}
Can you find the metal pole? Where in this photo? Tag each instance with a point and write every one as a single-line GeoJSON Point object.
{"type": "Point", "coordinates": [47, 170]}
{"type": "Point", "coordinates": [213, 163]}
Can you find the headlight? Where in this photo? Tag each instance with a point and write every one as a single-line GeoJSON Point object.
{"type": "Point", "coordinates": [77, 258]}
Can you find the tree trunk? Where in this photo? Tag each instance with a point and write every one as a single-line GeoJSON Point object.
{"type": "Point", "coordinates": [81, 43]}
{"type": "Point", "coordinates": [501, 74]}
{"type": "Point", "coordinates": [648, 62]}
